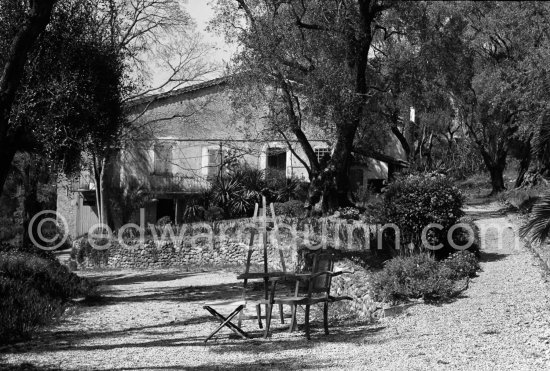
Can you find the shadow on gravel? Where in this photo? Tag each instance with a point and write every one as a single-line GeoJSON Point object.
{"type": "Point", "coordinates": [222, 343]}
{"type": "Point", "coordinates": [185, 295]}
{"type": "Point", "coordinates": [286, 364]}
{"type": "Point", "coordinates": [492, 256]}
{"type": "Point", "coordinates": [131, 279]}
{"type": "Point", "coordinates": [26, 367]}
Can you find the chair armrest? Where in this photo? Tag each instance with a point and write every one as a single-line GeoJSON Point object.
{"type": "Point", "coordinates": [329, 273]}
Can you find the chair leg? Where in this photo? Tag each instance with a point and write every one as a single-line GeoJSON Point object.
{"type": "Point", "coordinates": [325, 317]}
{"type": "Point", "coordinates": [226, 321]}
{"type": "Point", "coordinates": [281, 313]}
{"type": "Point", "coordinates": [307, 322]}
{"type": "Point", "coordinates": [269, 309]}
{"type": "Point", "coordinates": [292, 319]}
{"type": "Point", "coordinates": [259, 314]}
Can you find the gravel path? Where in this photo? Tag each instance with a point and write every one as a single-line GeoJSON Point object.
{"type": "Point", "coordinates": [153, 320]}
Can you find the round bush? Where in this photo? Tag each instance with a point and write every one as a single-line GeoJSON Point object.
{"type": "Point", "coordinates": [413, 277]}
{"type": "Point", "coordinates": [414, 202]}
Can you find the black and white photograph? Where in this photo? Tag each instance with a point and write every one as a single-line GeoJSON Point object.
{"type": "Point", "coordinates": [274, 185]}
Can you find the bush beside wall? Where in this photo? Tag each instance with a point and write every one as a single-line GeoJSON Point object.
{"type": "Point", "coordinates": [34, 290]}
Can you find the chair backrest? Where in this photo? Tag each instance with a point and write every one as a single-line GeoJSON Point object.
{"type": "Point", "coordinates": [323, 261]}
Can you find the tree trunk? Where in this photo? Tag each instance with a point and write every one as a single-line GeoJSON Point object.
{"type": "Point", "coordinates": [496, 169]}
{"type": "Point", "coordinates": [12, 74]}
{"type": "Point", "coordinates": [403, 140]}
{"type": "Point", "coordinates": [7, 154]}
{"type": "Point", "coordinates": [31, 206]}
{"type": "Point", "coordinates": [522, 170]}
{"type": "Point", "coordinates": [497, 180]}
{"type": "Point", "coordinates": [96, 171]}
{"type": "Point", "coordinates": [102, 194]}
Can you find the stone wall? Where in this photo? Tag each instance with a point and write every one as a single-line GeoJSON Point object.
{"type": "Point", "coordinates": [195, 248]}
{"type": "Point", "coordinates": [164, 254]}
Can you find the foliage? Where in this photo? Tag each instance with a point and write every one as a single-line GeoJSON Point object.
{"type": "Point", "coordinates": [82, 250]}
{"type": "Point", "coordinates": [125, 201]}
{"type": "Point", "coordinates": [537, 228]}
{"type": "Point", "coordinates": [289, 189]}
{"type": "Point", "coordinates": [49, 277]}
{"type": "Point", "coordinates": [193, 212]}
{"type": "Point", "coordinates": [23, 309]}
{"type": "Point", "coordinates": [304, 50]}
{"type": "Point", "coordinates": [242, 187]}
{"type": "Point", "coordinates": [292, 208]}
{"type": "Point", "coordinates": [350, 213]}
{"type": "Point", "coordinates": [462, 264]}
{"type": "Point", "coordinates": [213, 213]}
{"type": "Point", "coordinates": [165, 220]}
{"type": "Point", "coordinates": [414, 202]}
{"type": "Point", "coordinates": [523, 199]}
{"type": "Point", "coordinates": [413, 277]}
{"type": "Point", "coordinates": [70, 100]}
{"type": "Point", "coordinates": [34, 291]}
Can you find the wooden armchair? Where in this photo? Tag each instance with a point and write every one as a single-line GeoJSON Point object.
{"type": "Point", "coordinates": [311, 288]}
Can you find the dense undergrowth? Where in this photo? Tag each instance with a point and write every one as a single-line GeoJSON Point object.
{"type": "Point", "coordinates": [35, 289]}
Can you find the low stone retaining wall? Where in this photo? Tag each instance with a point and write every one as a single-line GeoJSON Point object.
{"type": "Point", "coordinates": [218, 244]}
{"type": "Point", "coordinates": [164, 254]}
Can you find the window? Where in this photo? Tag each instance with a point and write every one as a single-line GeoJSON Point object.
{"type": "Point", "coordinates": [276, 163]}
{"type": "Point", "coordinates": [321, 152]}
{"type": "Point", "coordinates": [214, 162]}
{"type": "Point", "coordinates": [163, 158]}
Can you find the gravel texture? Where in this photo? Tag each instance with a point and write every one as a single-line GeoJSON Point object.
{"type": "Point", "coordinates": [153, 320]}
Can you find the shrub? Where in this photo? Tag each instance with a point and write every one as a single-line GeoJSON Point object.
{"type": "Point", "coordinates": [461, 237]}
{"type": "Point", "coordinates": [193, 212]}
{"type": "Point", "coordinates": [293, 209]}
{"type": "Point", "coordinates": [34, 291]}
{"type": "Point", "coordinates": [213, 213]}
{"type": "Point", "coordinates": [416, 201]}
{"type": "Point", "coordinates": [82, 250]}
{"type": "Point", "coordinates": [23, 308]}
{"type": "Point", "coordinates": [413, 277]}
{"type": "Point", "coordinates": [462, 264]}
{"type": "Point", "coordinates": [290, 189]}
{"type": "Point", "coordinates": [165, 220]}
{"type": "Point", "coordinates": [349, 213]}
{"type": "Point", "coordinates": [49, 277]}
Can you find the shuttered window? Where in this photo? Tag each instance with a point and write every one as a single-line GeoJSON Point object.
{"type": "Point", "coordinates": [214, 162]}
{"type": "Point", "coordinates": [163, 158]}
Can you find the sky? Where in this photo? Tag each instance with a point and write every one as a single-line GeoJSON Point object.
{"type": "Point", "coordinates": [201, 11]}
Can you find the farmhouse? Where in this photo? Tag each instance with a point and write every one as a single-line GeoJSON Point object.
{"type": "Point", "coordinates": [186, 137]}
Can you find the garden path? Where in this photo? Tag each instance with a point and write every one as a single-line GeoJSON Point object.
{"type": "Point", "coordinates": [153, 320]}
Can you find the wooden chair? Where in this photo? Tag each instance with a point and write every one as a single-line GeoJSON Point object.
{"type": "Point", "coordinates": [310, 289]}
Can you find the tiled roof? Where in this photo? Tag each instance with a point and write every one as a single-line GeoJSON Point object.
{"type": "Point", "coordinates": [177, 92]}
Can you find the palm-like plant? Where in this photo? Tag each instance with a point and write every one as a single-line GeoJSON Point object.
{"type": "Point", "coordinates": [537, 228]}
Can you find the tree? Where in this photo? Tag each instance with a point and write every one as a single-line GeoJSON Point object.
{"type": "Point", "coordinates": [23, 37]}
{"type": "Point", "coordinates": [142, 32]}
{"type": "Point", "coordinates": [70, 97]}
{"type": "Point", "coordinates": [484, 67]}
{"type": "Point", "coordinates": [314, 57]}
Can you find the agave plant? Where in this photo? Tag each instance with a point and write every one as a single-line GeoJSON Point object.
{"type": "Point", "coordinates": [193, 212]}
{"type": "Point", "coordinates": [537, 228]}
